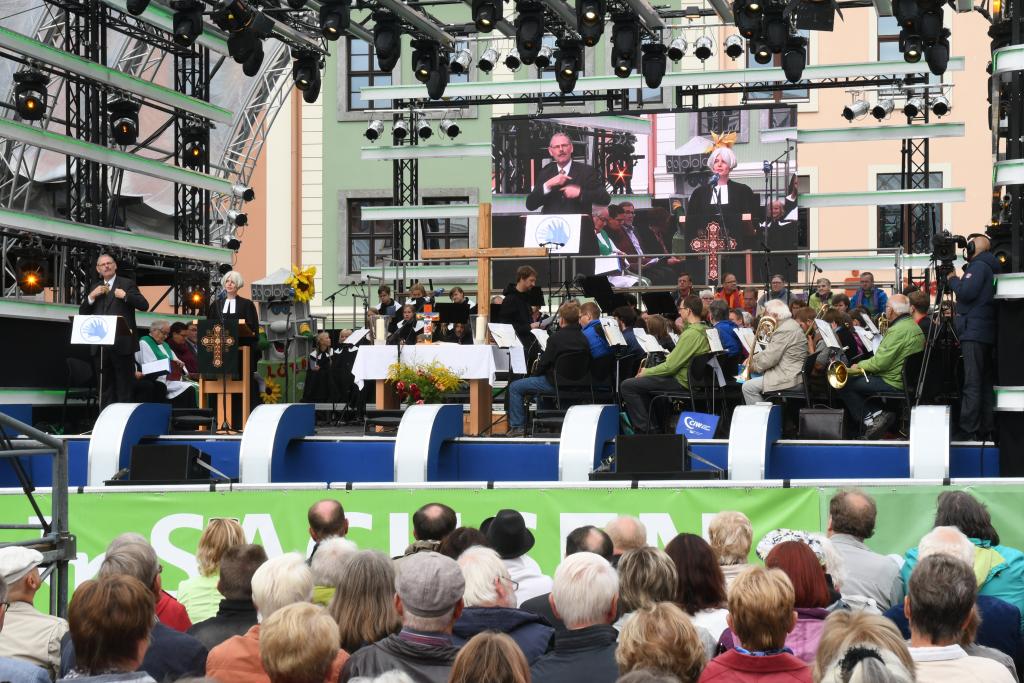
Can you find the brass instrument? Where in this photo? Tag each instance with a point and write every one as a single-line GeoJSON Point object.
{"type": "Point", "coordinates": [882, 324]}
{"type": "Point", "coordinates": [762, 335]}
{"type": "Point", "coordinates": [823, 310]}
{"type": "Point", "coordinates": [839, 372]}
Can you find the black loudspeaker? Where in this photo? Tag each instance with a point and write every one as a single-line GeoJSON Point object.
{"type": "Point", "coordinates": [167, 463]}
{"type": "Point", "coordinates": [650, 453]}
{"type": "Point", "coordinates": [1009, 373]}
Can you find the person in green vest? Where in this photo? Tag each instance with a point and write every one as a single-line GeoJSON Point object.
{"type": "Point", "coordinates": [883, 372]}
{"type": "Point", "coordinates": [155, 361]}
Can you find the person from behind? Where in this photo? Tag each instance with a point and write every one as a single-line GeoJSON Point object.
{"type": "Point", "coordinates": [851, 521]}
{"type": "Point", "coordinates": [733, 349]}
{"type": "Point", "coordinates": [28, 635]}
{"type": "Point", "coordinates": [627, 533]}
{"type": "Point", "coordinates": [298, 644]}
{"type": "Point", "coordinates": [327, 567]}
{"type": "Point", "coordinates": [326, 520]}
{"type": "Point", "coordinates": [490, 658]}
{"type": "Point", "coordinates": [852, 637]}
{"type": "Point", "coordinates": [199, 594]}
{"type": "Point", "coordinates": [364, 602]}
{"type": "Point", "coordinates": [730, 536]}
{"type": "Point", "coordinates": [431, 524]}
{"type": "Point", "coordinates": [585, 597]}
{"type": "Point", "coordinates": [661, 637]}
{"type": "Point", "coordinates": [236, 612]}
{"type": "Point", "coordinates": [507, 533]}
{"type": "Point", "coordinates": [12, 669]}
{"type": "Point", "coordinates": [461, 540]}
{"type": "Point", "coordinates": [761, 615]}
{"type": "Point", "coordinates": [589, 539]}
{"type": "Point", "coordinates": [701, 589]}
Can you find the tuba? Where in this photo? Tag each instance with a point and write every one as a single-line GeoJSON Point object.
{"type": "Point", "coordinates": [762, 335]}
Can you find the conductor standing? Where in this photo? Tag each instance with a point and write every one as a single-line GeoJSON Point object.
{"type": "Point", "coordinates": [566, 186]}
{"type": "Point", "coordinates": [115, 295]}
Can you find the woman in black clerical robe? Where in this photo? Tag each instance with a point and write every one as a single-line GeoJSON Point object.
{"type": "Point", "coordinates": [731, 205]}
{"type": "Point", "coordinates": [320, 378]}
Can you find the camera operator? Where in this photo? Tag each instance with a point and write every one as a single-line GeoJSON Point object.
{"type": "Point", "coordinates": [975, 325]}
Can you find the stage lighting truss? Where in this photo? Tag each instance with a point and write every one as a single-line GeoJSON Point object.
{"type": "Point", "coordinates": [488, 60]}
{"type": "Point", "coordinates": [30, 94]}
{"type": "Point", "coordinates": [461, 61]}
{"type": "Point", "coordinates": [486, 13]}
{"type": "Point", "coordinates": [704, 48]}
{"type": "Point", "coordinates": [374, 129]}
{"type": "Point", "coordinates": [625, 44]}
{"type": "Point", "coordinates": [857, 109]}
{"type": "Point", "coordinates": [187, 22]}
{"type": "Point", "coordinates": [569, 64]}
{"type": "Point", "coordinates": [529, 30]}
{"type": "Point", "coordinates": [733, 47]}
{"type": "Point", "coordinates": [883, 108]}
{"type": "Point", "coordinates": [387, 40]}
{"type": "Point", "coordinates": [677, 49]}
{"type": "Point", "coordinates": [590, 17]}
{"type": "Point", "coordinates": [124, 121]}
{"type": "Point", "coordinates": [335, 17]}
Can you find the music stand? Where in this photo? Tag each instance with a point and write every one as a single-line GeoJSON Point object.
{"type": "Point", "coordinates": [450, 314]}
{"type": "Point", "coordinates": [660, 303]}
{"type": "Point", "coordinates": [98, 330]}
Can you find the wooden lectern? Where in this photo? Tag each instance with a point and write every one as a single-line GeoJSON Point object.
{"type": "Point", "coordinates": [216, 339]}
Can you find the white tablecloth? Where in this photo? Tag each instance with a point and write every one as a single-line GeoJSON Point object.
{"type": "Point", "coordinates": [476, 361]}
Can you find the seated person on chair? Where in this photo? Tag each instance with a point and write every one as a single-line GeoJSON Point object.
{"type": "Point", "coordinates": [178, 342]}
{"type": "Point", "coordinates": [730, 359]}
{"type": "Point", "coordinates": [602, 368]}
{"type": "Point", "coordinates": [459, 334]}
{"type": "Point", "coordinates": [626, 316]}
{"type": "Point", "coordinates": [568, 339]}
{"type": "Point", "coordinates": [885, 369]}
{"type": "Point", "coordinates": [169, 386]}
{"type": "Point", "coordinates": [782, 361]}
{"type": "Point", "coordinates": [672, 375]}
{"type": "Point", "coordinates": [406, 330]}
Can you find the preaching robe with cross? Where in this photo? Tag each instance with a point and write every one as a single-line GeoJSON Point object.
{"type": "Point", "coordinates": [739, 216]}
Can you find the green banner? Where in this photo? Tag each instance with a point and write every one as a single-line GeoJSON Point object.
{"type": "Point", "coordinates": [381, 519]}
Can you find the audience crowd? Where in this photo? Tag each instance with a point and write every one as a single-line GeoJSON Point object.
{"type": "Point", "coordinates": [469, 605]}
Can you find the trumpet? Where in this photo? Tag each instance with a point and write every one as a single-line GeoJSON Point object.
{"type": "Point", "coordinates": [839, 372]}
{"type": "Point", "coordinates": [762, 335]}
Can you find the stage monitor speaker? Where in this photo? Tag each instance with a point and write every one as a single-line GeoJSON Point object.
{"type": "Point", "coordinates": [650, 453]}
{"type": "Point", "coordinates": [168, 462]}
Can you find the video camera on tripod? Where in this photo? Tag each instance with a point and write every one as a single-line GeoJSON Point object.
{"type": "Point", "coordinates": [944, 252]}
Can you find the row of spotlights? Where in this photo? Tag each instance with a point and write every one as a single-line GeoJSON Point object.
{"type": "Point", "coordinates": [400, 129]}
{"type": "Point", "coordinates": [883, 108]}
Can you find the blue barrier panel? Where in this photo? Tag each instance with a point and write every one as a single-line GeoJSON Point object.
{"type": "Point", "coordinates": [485, 460]}
{"type": "Point", "coordinates": [837, 461]}
{"type": "Point", "coordinates": [336, 461]}
{"type": "Point", "coordinates": [971, 461]}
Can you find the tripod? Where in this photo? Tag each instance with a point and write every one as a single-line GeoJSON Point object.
{"type": "Point", "coordinates": [941, 332]}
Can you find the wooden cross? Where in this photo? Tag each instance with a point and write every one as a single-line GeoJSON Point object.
{"type": "Point", "coordinates": [710, 241]}
{"type": "Point", "coordinates": [483, 255]}
{"type": "Point", "coordinates": [217, 341]}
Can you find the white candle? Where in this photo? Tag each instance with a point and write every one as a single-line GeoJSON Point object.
{"type": "Point", "coordinates": [379, 331]}
{"type": "Point", "coordinates": [481, 329]}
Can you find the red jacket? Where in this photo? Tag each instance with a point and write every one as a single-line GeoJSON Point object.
{"type": "Point", "coordinates": [172, 613]}
{"type": "Point", "coordinates": [237, 660]}
{"type": "Point", "coordinates": [733, 667]}
{"type": "Point", "coordinates": [734, 300]}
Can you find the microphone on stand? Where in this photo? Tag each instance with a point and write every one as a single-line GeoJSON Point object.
{"type": "Point", "coordinates": [816, 268]}
{"type": "Point", "coordinates": [714, 179]}
{"type": "Point", "coordinates": [766, 167]}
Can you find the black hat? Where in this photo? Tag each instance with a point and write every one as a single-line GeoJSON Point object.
{"type": "Point", "coordinates": [507, 533]}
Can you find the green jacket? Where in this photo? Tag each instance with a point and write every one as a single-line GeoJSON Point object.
{"type": "Point", "coordinates": [904, 338]}
{"type": "Point", "coordinates": [815, 301]}
{"type": "Point", "coordinates": [692, 342]}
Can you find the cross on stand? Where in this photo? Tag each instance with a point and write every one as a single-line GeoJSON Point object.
{"type": "Point", "coordinates": [217, 341]}
{"type": "Point", "coordinates": [710, 241]}
{"type": "Point", "coordinates": [480, 390]}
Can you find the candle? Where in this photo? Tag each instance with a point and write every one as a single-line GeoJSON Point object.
{"type": "Point", "coordinates": [481, 329]}
{"type": "Point", "coordinates": [379, 331]}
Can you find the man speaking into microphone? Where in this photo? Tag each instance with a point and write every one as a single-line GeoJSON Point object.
{"type": "Point", "coordinates": [115, 295]}
{"type": "Point", "coordinates": [566, 186]}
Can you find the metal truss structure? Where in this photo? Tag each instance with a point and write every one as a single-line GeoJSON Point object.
{"type": "Point", "coordinates": [406, 188]}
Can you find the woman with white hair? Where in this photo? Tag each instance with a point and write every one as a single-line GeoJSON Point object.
{"type": "Point", "coordinates": [228, 305]}
{"type": "Point", "coordinates": [780, 363]}
{"type": "Point", "coordinates": [727, 204]}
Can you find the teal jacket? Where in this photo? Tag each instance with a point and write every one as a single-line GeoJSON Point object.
{"type": "Point", "coordinates": [999, 570]}
{"type": "Point", "coordinates": [692, 342]}
{"type": "Point", "coordinates": [903, 338]}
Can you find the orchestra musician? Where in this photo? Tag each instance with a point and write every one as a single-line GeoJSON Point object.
{"type": "Point", "coordinates": [782, 361]}
{"type": "Point", "coordinates": [405, 327]}
{"type": "Point", "coordinates": [822, 295]}
{"type": "Point", "coordinates": [884, 371]}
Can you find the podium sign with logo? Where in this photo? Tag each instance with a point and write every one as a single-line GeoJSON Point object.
{"type": "Point", "coordinates": [697, 425]}
{"type": "Point", "coordinates": [559, 233]}
{"type": "Point", "coordinates": [100, 330]}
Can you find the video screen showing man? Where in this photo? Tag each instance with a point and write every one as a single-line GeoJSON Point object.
{"type": "Point", "coordinates": [566, 186]}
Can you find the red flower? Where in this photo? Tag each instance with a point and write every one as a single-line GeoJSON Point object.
{"type": "Point", "coordinates": [419, 402]}
{"type": "Point", "coordinates": [400, 385]}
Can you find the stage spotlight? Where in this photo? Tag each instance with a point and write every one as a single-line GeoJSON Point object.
{"type": "Point", "coordinates": [400, 129]}
{"type": "Point", "coordinates": [374, 129]}
{"type": "Point", "coordinates": [937, 55]}
{"type": "Point", "coordinates": [195, 297]}
{"type": "Point", "coordinates": [529, 30]}
{"type": "Point", "coordinates": [195, 146]}
{"type": "Point", "coordinates": [305, 70]}
{"type": "Point", "coordinates": [461, 61]}
{"type": "Point", "coordinates": [450, 127]}
{"type": "Point", "coordinates": [488, 60]}
{"type": "Point", "coordinates": [761, 50]}
{"type": "Point", "coordinates": [387, 40]}
{"type": "Point", "coordinates": [251, 65]}
{"type": "Point", "coordinates": [913, 107]}
{"type": "Point", "coordinates": [910, 46]}
{"type": "Point", "coordinates": [906, 11]}
{"type": "Point", "coordinates": [33, 272]}
{"type": "Point", "coordinates": [570, 62]}
{"type": "Point", "coordinates": [238, 218]}
{"type": "Point", "coordinates": [704, 48]}
{"type": "Point", "coordinates": [30, 94]}
{"type": "Point", "coordinates": [243, 192]}
{"type": "Point", "coordinates": [423, 129]}
{"type": "Point", "coordinates": [485, 14]}
{"type": "Point", "coordinates": [857, 109]}
{"type": "Point", "coordinates": [626, 43]}
{"type": "Point", "coordinates": [438, 81]}
{"type": "Point", "coordinates": [425, 59]}
{"type": "Point", "coordinates": [940, 106]}
{"type": "Point", "coordinates": [137, 7]}
{"type": "Point", "coordinates": [734, 47]}
{"type": "Point", "coordinates": [187, 23]}
{"type": "Point", "coordinates": [590, 20]}
{"type": "Point", "coordinates": [233, 16]}
{"type": "Point", "coordinates": [794, 58]}
{"type": "Point", "coordinates": [883, 108]}
{"type": "Point", "coordinates": [929, 26]}
{"type": "Point", "coordinates": [653, 64]}
{"type": "Point", "coordinates": [296, 4]}
{"type": "Point", "coordinates": [677, 49]}
{"type": "Point", "coordinates": [335, 17]}
{"type": "Point", "coordinates": [512, 61]}
{"type": "Point", "coordinates": [776, 32]}
{"type": "Point", "coordinates": [312, 93]}
{"type": "Point", "coordinates": [543, 60]}
{"type": "Point", "coordinates": [748, 23]}
{"type": "Point", "coordinates": [124, 121]}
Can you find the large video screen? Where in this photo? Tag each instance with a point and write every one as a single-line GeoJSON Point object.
{"type": "Point", "coordinates": [608, 194]}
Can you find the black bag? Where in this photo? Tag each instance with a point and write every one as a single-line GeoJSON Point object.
{"type": "Point", "coordinates": [821, 423]}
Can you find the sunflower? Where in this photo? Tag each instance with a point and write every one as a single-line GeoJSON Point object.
{"type": "Point", "coordinates": [302, 281]}
{"type": "Point", "coordinates": [273, 392]}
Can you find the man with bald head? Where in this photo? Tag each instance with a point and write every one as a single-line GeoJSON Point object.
{"type": "Point", "coordinates": [884, 370]}
{"type": "Point", "coordinates": [975, 325]}
{"type": "Point", "coordinates": [566, 186]}
{"type": "Point", "coordinates": [326, 520]}
{"type": "Point", "coordinates": [851, 520]}
{"type": "Point", "coordinates": [627, 533]}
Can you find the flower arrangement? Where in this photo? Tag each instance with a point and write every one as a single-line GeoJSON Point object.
{"type": "Point", "coordinates": [302, 282]}
{"type": "Point", "coordinates": [273, 392]}
{"type": "Point", "coordinates": [422, 383]}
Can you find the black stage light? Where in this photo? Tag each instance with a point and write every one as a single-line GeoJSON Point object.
{"type": "Point", "coordinates": [486, 14]}
{"type": "Point", "coordinates": [124, 121]}
{"type": "Point", "coordinates": [195, 297]}
{"type": "Point", "coordinates": [30, 94]}
{"type": "Point", "coordinates": [312, 93]}
{"type": "Point", "coordinates": [776, 32]}
{"type": "Point", "coordinates": [704, 48]}
{"type": "Point", "coordinates": [387, 40]}
{"type": "Point", "coordinates": [251, 65]}
{"type": "Point", "coordinates": [137, 7]}
{"type": "Point", "coordinates": [626, 44]}
{"type": "Point", "coordinates": [334, 18]}
{"type": "Point", "coordinates": [195, 146]}
{"type": "Point", "coordinates": [438, 81]}
{"type": "Point", "coordinates": [544, 57]}
{"type": "Point", "coordinates": [305, 70]}
{"type": "Point", "coordinates": [244, 44]}
{"type": "Point", "coordinates": [747, 21]}
{"type": "Point", "coordinates": [187, 23]}
{"type": "Point", "coordinates": [794, 58]}
{"type": "Point", "coordinates": [231, 242]}
{"type": "Point", "coordinates": [913, 107]}
{"type": "Point", "coordinates": [906, 12]}
{"type": "Point", "coordinates": [233, 17]}
{"type": "Point", "coordinates": [33, 272]}
{"type": "Point", "coordinates": [425, 59]}
{"type": "Point", "coordinates": [590, 20]}
{"type": "Point", "coordinates": [653, 64]}
{"type": "Point", "coordinates": [940, 105]}
{"type": "Point", "coordinates": [529, 30]}
{"type": "Point", "coordinates": [224, 268]}
{"type": "Point", "coordinates": [761, 50]}
{"type": "Point", "coordinates": [569, 64]}
{"type": "Point", "coordinates": [910, 46]}
{"type": "Point", "coordinates": [929, 26]}
{"type": "Point", "coordinates": [937, 55]}
{"type": "Point", "coordinates": [677, 48]}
